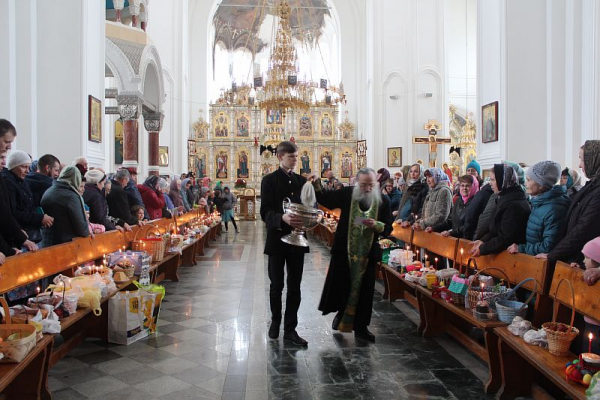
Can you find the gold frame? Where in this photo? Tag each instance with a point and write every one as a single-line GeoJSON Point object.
{"type": "Point", "coordinates": [399, 155]}
{"type": "Point", "coordinates": [237, 118]}
{"type": "Point", "coordinates": [94, 119]}
{"type": "Point", "coordinates": [352, 155]}
{"type": "Point", "coordinates": [217, 124]}
{"type": "Point", "coordinates": [312, 126]}
{"type": "Point", "coordinates": [237, 164]}
{"type": "Point", "coordinates": [218, 152]}
{"type": "Point", "coordinates": [163, 150]}
{"type": "Point", "coordinates": [323, 116]}
{"type": "Point", "coordinates": [321, 165]}
{"type": "Point", "coordinates": [301, 151]}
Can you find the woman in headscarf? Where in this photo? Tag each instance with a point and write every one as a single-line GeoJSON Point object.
{"type": "Point", "coordinates": [509, 220]}
{"type": "Point", "coordinates": [485, 212]}
{"type": "Point", "coordinates": [185, 185]}
{"type": "Point", "coordinates": [571, 180]}
{"type": "Point", "coordinates": [438, 202]}
{"type": "Point", "coordinates": [382, 176]}
{"type": "Point", "coordinates": [65, 204]}
{"type": "Point", "coordinates": [175, 193]}
{"type": "Point", "coordinates": [95, 199]}
{"type": "Point", "coordinates": [163, 186]}
{"type": "Point", "coordinates": [458, 225]}
{"type": "Point", "coordinates": [584, 213]}
{"type": "Point", "coordinates": [413, 197]}
{"type": "Point", "coordinates": [152, 197]}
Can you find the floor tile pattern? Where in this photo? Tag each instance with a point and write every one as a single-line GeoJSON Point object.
{"type": "Point", "coordinates": [211, 343]}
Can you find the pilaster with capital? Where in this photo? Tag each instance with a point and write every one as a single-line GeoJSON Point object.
{"type": "Point", "coordinates": [153, 124]}
{"type": "Point", "coordinates": [130, 109]}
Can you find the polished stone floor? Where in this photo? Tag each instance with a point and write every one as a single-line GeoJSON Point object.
{"type": "Point", "coordinates": [212, 344]}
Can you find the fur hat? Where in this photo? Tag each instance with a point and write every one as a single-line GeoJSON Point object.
{"type": "Point", "coordinates": [94, 176]}
{"type": "Point", "coordinates": [16, 158]}
{"type": "Point", "coordinates": [545, 173]}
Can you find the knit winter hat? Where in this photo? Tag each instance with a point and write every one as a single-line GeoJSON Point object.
{"type": "Point", "coordinates": [475, 165]}
{"type": "Point", "coordinates": [592, 249]}
{"type": "Point", "coordinates": [545, 173]}
{"type": "Point", "coordinates": [16, 158]}
{"type": "Point", "coordinates": [94, 176]}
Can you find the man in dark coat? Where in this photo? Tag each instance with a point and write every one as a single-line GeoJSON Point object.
{"type": "Point", "coordinates": [47, 170]}
{"type": "Point", "coordinates": [350, 282]}
{"type": "Point", "coordinates": [275, 187]}
{"type": "Point", "coordinates": [118, 205]}
{"type": "Point", "coordinates": [133, 194]}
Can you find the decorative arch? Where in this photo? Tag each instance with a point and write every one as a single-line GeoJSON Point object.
{"type": "Point", "coordinates": [151, 63]}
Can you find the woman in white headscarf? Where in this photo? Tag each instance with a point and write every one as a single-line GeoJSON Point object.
{"type": "Point", "coordinates": [64, 203]}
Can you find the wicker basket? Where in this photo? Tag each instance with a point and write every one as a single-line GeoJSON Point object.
{"type": "Point", "coordinates": [509, 309]}
{"type": "Point", "coordinates": [559, 342]}
{"type": "Point", "coordinates": [475, 293]}
{"type": "Point", "coordinates": [15, 350]}
{"type": "Point", "coordinates": [155, 246]}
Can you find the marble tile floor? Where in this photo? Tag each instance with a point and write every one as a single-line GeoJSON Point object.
{"type": "Point", "coordinates": [212, 344]}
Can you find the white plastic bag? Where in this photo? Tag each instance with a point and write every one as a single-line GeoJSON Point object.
{"type": "Point", "coordinates": [536, 338]}
{"type": "Point", "coordinates": [129, 316]}
{"type": "Point", "coordinates": [519, 326]}
{"type": "Point", "coordinates": [51, 324]}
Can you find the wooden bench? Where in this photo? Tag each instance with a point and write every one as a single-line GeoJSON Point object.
{"type": "Point", "coordinates": [29, 378]}
{"type": "Point", "coordinates": [531, 370]}
{"type": "Point", "coordinates": [438, 316]}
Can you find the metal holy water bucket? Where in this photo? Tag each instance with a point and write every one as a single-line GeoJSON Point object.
{"type": "Point", "coordinates": [310, 219]}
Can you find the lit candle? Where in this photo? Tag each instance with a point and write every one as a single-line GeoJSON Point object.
{"type": "Point", "coordinates": [418, 256]}
{"type": "Point", "coordinates": [590, 336]}
{"type": "Point", "coordinates": [482, 285]}
{"type": "Point", "coordinates": [461, 255]}
{"type": "Point", "coordinates": [38, 291]}
{"type": "Point", "coordinates": [436, 260]}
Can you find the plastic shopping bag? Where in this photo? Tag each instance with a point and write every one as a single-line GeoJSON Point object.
{"type": "Point", "coordinates": [129, 316]}
{"type": "Point", "coordinates": [157, 292]}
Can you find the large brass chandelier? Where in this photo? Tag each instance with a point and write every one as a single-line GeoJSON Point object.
{"type": "Point", "coordinates": [282, 89]}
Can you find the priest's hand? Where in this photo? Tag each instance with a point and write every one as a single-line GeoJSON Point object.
{"type": "Point", "coordinates": [293, 221]}
{"type": "Point", "coordinates": [369, 222]}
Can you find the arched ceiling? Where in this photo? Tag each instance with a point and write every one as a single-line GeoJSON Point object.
{"type": "Point", "coordinates": [239, 24]}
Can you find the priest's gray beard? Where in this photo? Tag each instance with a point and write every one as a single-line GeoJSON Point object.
{"type": "Point", "coordinates": [366, 199]}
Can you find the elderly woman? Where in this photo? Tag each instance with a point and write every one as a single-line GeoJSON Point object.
{"type": "Point", "coordinates": [163, 186]}
{"type": "Point", "coordinates": [458, 225]}
{"type": "Point", "coordinates": [549, 202]}
{"type": "Point", "coordinates": [509, 220]}
{"type": "Point", "coordinates": [152, 197]}
{"type": "Point", "coordinates": [175, 193]}
{"type": "Point", "coordinates": [438, 202]}
{"type": "Point", "coordinates": [584, 212]}
{"type": "Point", "coordinates": [571, 180]}
{"type": "Point", "coordinates": [95, 180]}
{"type": "Point", "coordinates": [65, 204]}
{"type": "Point", "coordinates": [229, 201]}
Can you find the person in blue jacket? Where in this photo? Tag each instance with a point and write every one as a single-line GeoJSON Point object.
{"type": "Point", "coordinates": [549, 205]}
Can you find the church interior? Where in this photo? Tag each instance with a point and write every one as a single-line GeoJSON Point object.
{"type": "Point", "coordinates": [409, 185]}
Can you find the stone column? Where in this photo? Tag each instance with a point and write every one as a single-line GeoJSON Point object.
{"type": "Point", "coordinates": [153, 124]}
{"type": "Point", "coordinates": [119, 5]}
{"type": "Point", "coordinates": [129, 109]}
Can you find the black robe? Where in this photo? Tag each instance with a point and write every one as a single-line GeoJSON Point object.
{"type": "Point", "coordinates": [275, 187]}
{"type": "Point", "coordinates": [337, 284]}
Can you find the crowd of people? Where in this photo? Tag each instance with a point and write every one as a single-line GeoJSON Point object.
{"type": "Point", "coordinates": [44, 202]}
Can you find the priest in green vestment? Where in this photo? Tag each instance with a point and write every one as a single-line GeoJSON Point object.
{"type": "Point", "coordinates": [350, 282]}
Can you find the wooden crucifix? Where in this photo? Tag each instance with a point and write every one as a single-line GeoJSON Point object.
{"type": "Point", "coordinates": [432, 126]}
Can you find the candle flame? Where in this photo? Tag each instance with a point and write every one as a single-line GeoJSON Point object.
{"type": "Point", "coordinates": [591, 336]}
{"type": "Point", "coordinates": [461, 252]}
{"type": "Point", "coordinates": [482, 285]}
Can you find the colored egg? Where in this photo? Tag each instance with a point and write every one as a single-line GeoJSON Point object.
{"type": "Point", "coordinates": [569, 363]}
{"type": "Point", "coordinates": [576, 375]}
{"type": "Point", "coordinates": [569, 369]}
{"type": "Point", "coordinates": [587, 378]}
{"type": "Point", "coordinates": [575, 361]}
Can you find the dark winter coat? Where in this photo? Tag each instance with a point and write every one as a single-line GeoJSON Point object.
{"type": "Point", "coordinates": [457, 223]}
{"type": "Point", "coordinates": [153, 200]}
{"type": "Point", "coordinates": [134, 198]}
{"type": "Point", "coordinates": [275, 187]}
{"type": "Point", "coordinates": [509, 222]}
{"type": "Point", "coordinates": [22, 207]}
{"type": "Point", "coordinates": [416, 193]}
{"type": "Point", "coordinates": [118, 205]}
{"type": "Point", "coordinates": [65, 205]}
{"type": "Point", "coordinates": [38, 184]}
{"type": "Point", "coordinates": [582, 224]}
{"type": "Point", "coordinates": [485, 219]}
{"type": "Point", "coordinates": [10, 229]}
{"type": "Point", "coordinates": [475, 210]}
{"type": "Point", "coordinates": [395, 199]}
{"type": "Point", "coordinates": [547, 222]}
{"type": "Point", "coordinates": [95, 200]}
